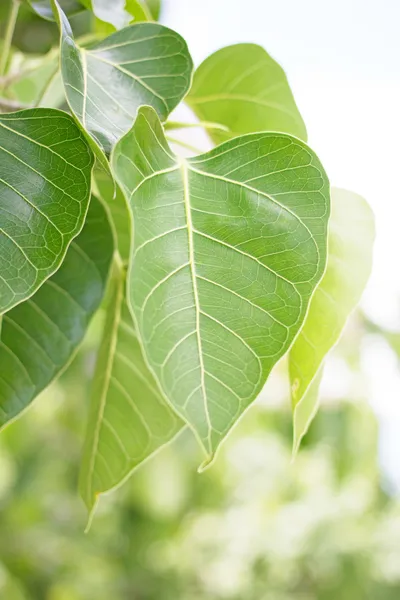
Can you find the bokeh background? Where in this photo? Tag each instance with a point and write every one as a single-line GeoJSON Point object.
{"type": "Point", "coordinates": [257, 525]}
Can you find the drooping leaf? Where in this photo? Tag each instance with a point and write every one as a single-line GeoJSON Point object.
{"type": "Point", "coordinates": [351, 237]}
{"type": "Point", "coordinates": [45, 169]}
{"type": "Point", "coordinates": [106, 83]}
{"type": "Point", "coordinates": [243, 88]}
{"type": "Point", "coordinates": [129, 418]}
{"type": "Point", "coordinates": [44, 9]}
{"type": "Point", "coordinates": [40, 336]}
{"type": "Point", "coordinates": [113, 197]}
{"type": "Point", "coordinates": [227, 250]}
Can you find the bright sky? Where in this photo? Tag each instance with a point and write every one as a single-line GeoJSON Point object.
{"type": "Point", "coordinates": [342, 58]}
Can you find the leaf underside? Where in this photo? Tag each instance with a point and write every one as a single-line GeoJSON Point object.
{"type": "Point", "coordinates": [129, 418]}
{"type": "Point", "coordinates": [351, 237]}
{"type": "Point", "coordinates": [45, 169]}
{"type": "Point", "coordinates": [145, 63]}
{"type": "Point", "coordinates": [243, 88]}
{"type": "Point", "coordinates": [227, 250]}
{"type": "Point", "coordinates": [40, 336]}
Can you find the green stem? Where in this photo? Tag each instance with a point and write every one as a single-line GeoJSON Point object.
{"type": "Point", "coordinates": [12, 19]}
{"type": "Point", "coordinates": [185, 145]}
{"type": "Point", "coordinates": [202, 124]}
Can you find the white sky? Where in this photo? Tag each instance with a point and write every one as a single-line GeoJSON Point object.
{"type": "Point", "coordinates": [342, 58]}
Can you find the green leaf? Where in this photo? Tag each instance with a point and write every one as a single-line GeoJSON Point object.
{"type": "Point", "coordinates": [129, 418]}
{"type": "Point", "coordinates": [106, 83]}
{"type": "Point", "coordinates": [120, 216]}
{"type": "Point", "coordinates": [351, 237]}
{"type": "Point", "coordinates": [40, 336]}
{"type": "Point", "coordinates": [227, 250]}
{"type": "Point", "coordinates": [43, 8]}
{"type": "Point", "coordinates": [45, 169]}
{"type": "Point", "coordinates": [243, 88]}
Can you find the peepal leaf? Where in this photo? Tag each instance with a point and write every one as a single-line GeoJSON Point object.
{"type": "Point", "coordinates": [351, 237]}
{"type": "Point", "coordinates": [243, 88]}
{"type": "Point", "coordinates": [106, 83]}
{"type": "Point", "coordinates": [45, 168]}
{"type": "Point", "coordinates": [227, 250]}
{"type": "Point", "coordinates": [40, 336]}
{"type": "Point", "coordinates": [129, 418]}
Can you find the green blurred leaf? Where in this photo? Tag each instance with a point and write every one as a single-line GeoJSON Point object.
{"type": "Point", "coordinates": [243, 88]}
{"type": "Point", "coordinates": [45, 170]}
{"type": "Point", "coordinates": [106, 83]}
{"type": "Point", "coordinates": [43, 8]}
{"type": "Point", "coordinates": [40, 336]}
{"type": "Point", "coordinates": [351, 237]}
{"type": "Point", "coordinates": [129, 418]}
{"type": "Point", "coordinates": [227, 250]}
{"type": "Point", "coordinates": [120, 13]}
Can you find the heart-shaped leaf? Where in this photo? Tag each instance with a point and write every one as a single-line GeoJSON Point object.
{"type": "Point", "coordinates": [45, 169]}
{"type": "Point", "coordinates": [243, 88]}
{"type": "Point", "coordinates": [227, 250]}
{"type": "Point", "coordinates": [351, 238]}
{"type": "Point", "coordinates": [106, 83]}
{"type": "Point", "coordinates": [40, 336]}
{"type": "Point", "coordinates": [129, 418]}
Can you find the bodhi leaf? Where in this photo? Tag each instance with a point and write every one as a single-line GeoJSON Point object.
{"type": "Point", "coordinates": [106, 83]}
{"type": "Point", "coordinates": [40, 336]}
{"type": "Point", "coordinates": [129, 419]}
{"type": "Point", "coordinates": [243, 88]}
{"type": "Point", "coordinates": [45, 169]}
{"type": "Point", "coordinates": [351, 237]}
{"type": "Point", "coordinates": [227, 250]}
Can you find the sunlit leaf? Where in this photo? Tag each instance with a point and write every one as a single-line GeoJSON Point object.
{"type": "Point", "coordinates": [106, 83]}
{"type": "Point", "coordinates": [351, 237]}
{"type": "Point", "coordinates": [243, 88]}
{"type": "Point", "coordinates": [45, 168]}
{"type": "Point", "coordinates": [129, 418]}
{"type": "Point", "coordinates": [227, 250]}
{"type": "Point", "coordinates": [40, 336]}
{"type": "Point", "coordinates": [121, 13]}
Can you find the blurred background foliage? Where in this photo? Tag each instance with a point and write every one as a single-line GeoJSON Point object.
{"type": "Point", "coordinates": [256, 526]}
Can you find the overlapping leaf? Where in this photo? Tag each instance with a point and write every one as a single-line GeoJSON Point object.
{"type": "Point", "coordinates": [121, 13]}
{"type": "Point", "coordinates": [129, 418]}
{"type": "Point", "coordinates": [227, 250]}
{"type": "Point", "coordinates": [40, 336]}
{"type": "Point", "coordinates": [106, 83]}
{"type": "Point", "coordinates": [351, 236]}
{"type": "Point", "coordinates": [45, 169]}
{"type": "Point", "coordinates": [243, 88]}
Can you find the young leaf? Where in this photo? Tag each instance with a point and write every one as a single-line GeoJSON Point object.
{"type": "Point", "coordinates": [45, 168]}
{"type": "Point", "coordinates": [40, 336]}
{"type": "Point", "coordinates": [351, 237]}
{"type": "Point", "coordinates": [243, 88]}
{"type": "Point", "coordinates": [106, 83]}
{"type": "Point", "coordinates": [129, 419]}
{"type": "Point", "coordinates": [227, 250]}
